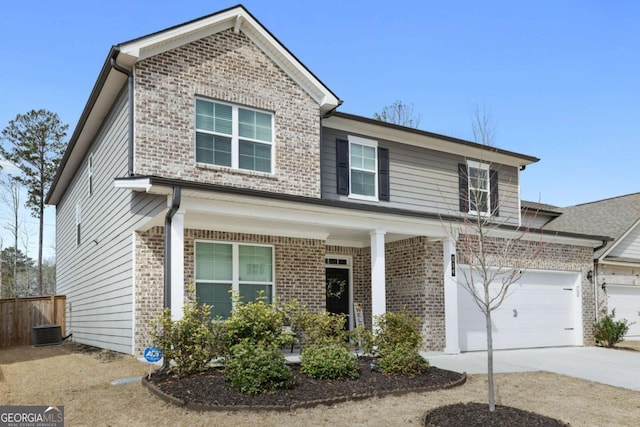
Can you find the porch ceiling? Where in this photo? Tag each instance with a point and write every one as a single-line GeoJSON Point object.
{"type": "Point", "coordinates": [266, 217]}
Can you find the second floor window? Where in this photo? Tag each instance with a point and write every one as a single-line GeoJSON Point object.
{"type": "Point", "coordinates": [233, 136]}
{"type": "Point", "coordinates": [363, 168]}
{"type": "Point", "coordinates": [478, 188]}
{"type": "Point", "coordinates": [90, 173]}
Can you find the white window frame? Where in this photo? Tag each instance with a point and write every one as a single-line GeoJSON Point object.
{"type": "Point", "coordinates": [78, 224]}
{"type": "Point", "coordinates": [356, 140]}
{"type": "Point", "coordinates": [90, 173]}
{"type": "Point", "coordinates": [235, 136]}
{"type": "Point", "coordinates": [480, 166]}
{"type": "Point", "coordinates": [235, 267]}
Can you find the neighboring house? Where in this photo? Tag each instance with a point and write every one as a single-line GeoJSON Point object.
{"type": "Point", "coordinates": [616, 272]}
{"type": "Point", "coordinates": [208, 154]}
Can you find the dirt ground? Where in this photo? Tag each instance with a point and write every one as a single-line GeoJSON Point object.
{"type": "Point", "coordinates": [82, 383]}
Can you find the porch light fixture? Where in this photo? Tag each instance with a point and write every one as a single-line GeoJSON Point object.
{"type": "Point", "coordinates": [604, 286]}
{"type": "Point", "coordinates": [590, 276]}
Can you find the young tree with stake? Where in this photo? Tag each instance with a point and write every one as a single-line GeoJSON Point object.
{"type": "Point", "coordinates": [496, 256]}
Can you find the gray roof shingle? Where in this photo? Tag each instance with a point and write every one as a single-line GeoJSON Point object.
{"type": "Point", "coordinates": [610, 217]}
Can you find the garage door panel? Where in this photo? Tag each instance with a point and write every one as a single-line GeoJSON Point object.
{"type": "Point", "coordinates": [626, 301]}
{"type": "Point", "coordinates": [536, 313]}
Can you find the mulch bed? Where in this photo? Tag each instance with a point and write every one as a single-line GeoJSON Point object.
{"type": "Point", "coordinates": [478, 415]}
{"type": "Point", "coordinates": [209, 391]}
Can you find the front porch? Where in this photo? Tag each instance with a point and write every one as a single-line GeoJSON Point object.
{"type": "Point", "coordinates": [390, 261]}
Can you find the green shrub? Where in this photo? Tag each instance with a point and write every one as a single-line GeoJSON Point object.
{"type": "Point", "coordinates": [259, 322]}
{"type": "Point", "coordinates": [191, 342]}
{"type": "Point", "coordinates": [404, 360]}
{"type": "Point", "coordinates": [256, 368]}
{"type": "Point", "coordinates": [394, 329]}
{"type": "Point", "coordinates": [329, 362]}
{"type": "Point", "coordinates": [609, 331]}
{"type": "Point", "coordinates": [316, 328]}
{"type": "Point", "coordinates": [397, 340]}
{"type": "Point", "coordinates": [362, 338]}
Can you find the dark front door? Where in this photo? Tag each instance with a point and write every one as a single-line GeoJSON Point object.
{"type": "Point", "coordinates": [337, 287]}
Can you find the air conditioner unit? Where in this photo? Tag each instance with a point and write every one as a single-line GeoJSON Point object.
{"type": "Point", "coordinates": [46, 335]}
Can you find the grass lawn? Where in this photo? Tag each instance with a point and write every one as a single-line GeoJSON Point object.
{"type": "Point", "coordinates": [81, 382]}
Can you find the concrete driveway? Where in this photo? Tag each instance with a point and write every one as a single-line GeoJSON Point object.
{"type": "Point", "coordinates": [618, 368]}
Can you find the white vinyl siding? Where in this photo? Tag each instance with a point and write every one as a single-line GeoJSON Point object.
{"type": "Point", "coordinates": [363, 168]}
{"type": "Point", "coordinates": [233, 136]}
{"type": "Point", "coordinates": [223, 267]}
{"type": "Point", "coordinates": [629, 246]}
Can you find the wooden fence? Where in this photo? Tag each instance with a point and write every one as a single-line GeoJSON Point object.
{"type": "Point", "coordinates": [19, 315]}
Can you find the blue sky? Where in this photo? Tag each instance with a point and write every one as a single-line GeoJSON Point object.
{"type": "Point", "coordinates": [561, 79]}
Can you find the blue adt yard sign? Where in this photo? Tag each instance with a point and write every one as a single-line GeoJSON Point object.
{"type": "Point", "coordinates": [152, 354]}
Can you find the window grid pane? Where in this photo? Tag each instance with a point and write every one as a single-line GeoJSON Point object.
{"type": "Point", "coordinates": [254, 125]}
{"type": "Point", "coordinates": [217, 295]}
{"type": "Point", "coordinates": [363, 183]}
{"type": "Point", "coordinates": [250, 292]}
{"type": "Point", "coordinates": [256, 263]}
{"type": "Point", "coordinates": [213, 261]}
{"type": "Point", "coordinates": [255, 156]}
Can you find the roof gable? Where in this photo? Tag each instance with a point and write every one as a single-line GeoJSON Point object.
{"type": "Point", "coordinates": [111, 81]}
{"type": "Point", "coordinates": [240, 20]}
{"type": "Point", "coordinates": [614, 217]}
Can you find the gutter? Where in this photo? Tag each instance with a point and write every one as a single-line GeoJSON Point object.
{"type": "Point", "coordinates": [129, 75]}
{"type": "Point", "coordinates": [175, 205]}
{"type": "Point", "coordinates": [93, 97]}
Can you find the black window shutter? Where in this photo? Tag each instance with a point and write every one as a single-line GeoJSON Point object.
{"type": "Point", "coordinates": [493, 183]}
{"type": "Point", "coordinates": [342, 166]}
{"type": "Point", "coordinates": [383, 174]}
{"type": "Point", "coordinates": [463, 183]}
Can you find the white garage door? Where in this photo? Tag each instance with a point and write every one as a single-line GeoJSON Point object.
{"type": "Point", "coordinates": [626, 301]}
{"type": "Point", "coordinates": [542, 309]}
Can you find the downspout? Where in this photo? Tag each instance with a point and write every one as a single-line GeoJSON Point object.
{"type": "Point", "coordinates": [595, 277]}
{"type": "Point", "coordinates": [129, 75]}
{"type": "Point", "coordinates": [175, 205]}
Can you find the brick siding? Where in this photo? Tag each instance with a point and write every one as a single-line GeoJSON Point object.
{"type": "Point", "coordinates": [299, 272]}
{"type": "Point", "coordinates": [226, 66]}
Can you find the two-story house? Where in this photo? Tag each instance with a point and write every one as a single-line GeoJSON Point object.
{"type": "Point", "coordinates": [207, 154]}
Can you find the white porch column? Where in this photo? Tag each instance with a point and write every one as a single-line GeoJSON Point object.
{"type": "Point", "coordinates": [378, 297]}
{"type": "Point", "coordinates": [450, 296]}
{"type": "Point", "coordinates": [177, 265]}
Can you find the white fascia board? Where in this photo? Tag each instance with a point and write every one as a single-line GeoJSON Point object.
{"type": "Point", "coordinates": [312, 215]}
{"type": "Point", "coordinates": [143, 185]}
{"type": "Point", "coordinates": [239, 20]}
{"type": "Point", "coordinates": [243, 227]}
{"type": "Point", "coordinates": [423, 141]}
{"type": "Point", "coordinates": [134, 184]}
{"type": "Point", "coordinates": [619, 263]}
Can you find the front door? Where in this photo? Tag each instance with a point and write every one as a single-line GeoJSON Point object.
{"type": "Point", "coordinates": [337, 290]}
